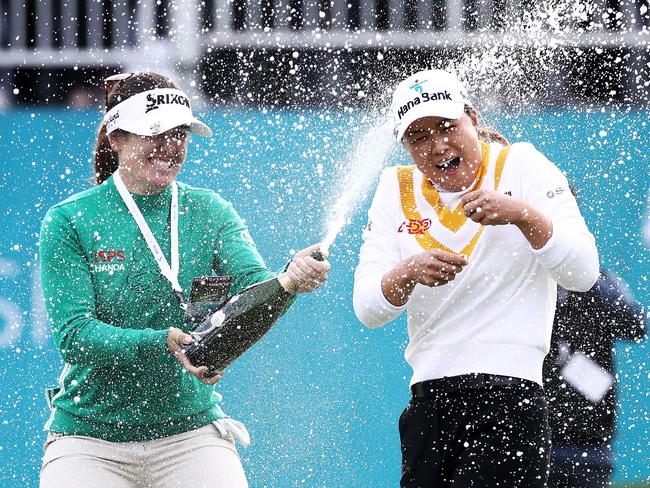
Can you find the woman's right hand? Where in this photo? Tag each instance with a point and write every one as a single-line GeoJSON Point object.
{"type": "Point", "coordinates": [430, 268]}
{"type": "Point", "coordinates": [306, 273]}
{"type": "Point", "coordinates": [176, 339]}
{"type": "Point", "coordinates": [434, 267]}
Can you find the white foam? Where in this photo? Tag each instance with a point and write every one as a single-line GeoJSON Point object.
{"type": "Point", "coordinates": [512, 67]}
{"type": "Point", "coordinates": [357, 172]}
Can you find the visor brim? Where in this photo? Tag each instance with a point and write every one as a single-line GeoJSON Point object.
{"type": "Point", "coordinates": [149, 127]}
{"type": "Point", "coordinates": [441, 108]}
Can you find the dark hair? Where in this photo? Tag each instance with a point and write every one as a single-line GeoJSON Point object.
{"type": "Point", "coordinates": [116, 91]}
{"type": "Point", "coordinates": [485, 133]}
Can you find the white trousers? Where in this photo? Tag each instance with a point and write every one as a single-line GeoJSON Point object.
{"type": "Point", "coordinates": [201, 458]}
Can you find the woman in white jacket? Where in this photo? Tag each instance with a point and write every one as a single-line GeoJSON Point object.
{"type": "Point", "coordinates": [472, 241]}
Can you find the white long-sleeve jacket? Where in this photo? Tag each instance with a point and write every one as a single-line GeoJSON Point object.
{"type": "Point", "coordinates": [496, 316]}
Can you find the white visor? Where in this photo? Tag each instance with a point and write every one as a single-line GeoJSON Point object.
{"type": "Point", "coordinates": [154, 112]}
{"type": "Point", "coordinates": [430, 93]}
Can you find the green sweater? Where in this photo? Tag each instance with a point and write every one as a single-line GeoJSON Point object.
{"type": "Point", "coordinates": [110, 308]}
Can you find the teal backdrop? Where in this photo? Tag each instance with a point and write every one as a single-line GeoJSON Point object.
{"type": "Point", "coordinates": [321, 394]}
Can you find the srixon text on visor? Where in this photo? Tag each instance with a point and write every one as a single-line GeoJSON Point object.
{"type": "Point", "coordinates": [154, 102]}
{"type": "Point", "coordinates": [423, 97]}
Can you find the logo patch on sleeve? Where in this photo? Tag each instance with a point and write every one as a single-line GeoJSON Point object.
{"type": "Point", "coordinates": [558, 191]}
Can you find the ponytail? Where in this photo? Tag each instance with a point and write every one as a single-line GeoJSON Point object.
{"type": "Point", "coordinates": [489, 135]}
{"type": "Point", "coordinates": [105, 158]}
{"type": "Point", "coordinates": [485, 133]}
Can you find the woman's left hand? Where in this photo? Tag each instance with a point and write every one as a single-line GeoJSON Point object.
{"type": "Point", "coordinates": [488, 207]}
{"type": "Point", "coordinates": [307, 273]}
{"type": "Point", "coordinates": [176, 339]}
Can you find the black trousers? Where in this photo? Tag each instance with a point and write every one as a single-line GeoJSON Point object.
{"type": "Point", "coordinates": [581, 466]}
{"type": "Point", "coordinates": [475, 431]}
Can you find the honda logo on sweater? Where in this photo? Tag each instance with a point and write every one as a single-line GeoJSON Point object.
{"type": "Point", "coordinates": [109, 260]}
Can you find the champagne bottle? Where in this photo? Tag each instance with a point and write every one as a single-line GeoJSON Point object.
{"type": "Point", "coordinates": [233, 329]}
{"type": "Point", "coordinates": [207, 295]}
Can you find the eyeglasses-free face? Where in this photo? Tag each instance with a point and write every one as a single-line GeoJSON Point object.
{"type": "Point", "coordinates": [446, 151]}
{"type": "Point", "coordinates": [149, 164]}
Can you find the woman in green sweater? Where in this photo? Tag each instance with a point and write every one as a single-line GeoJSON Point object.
{"type": "Point", "coordinates": [130, 409]}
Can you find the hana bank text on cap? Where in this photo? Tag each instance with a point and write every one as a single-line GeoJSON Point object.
{"type": "Point", "coordinates": [154, 112]}
{"type": "Point", "coordinates": [430, 93]}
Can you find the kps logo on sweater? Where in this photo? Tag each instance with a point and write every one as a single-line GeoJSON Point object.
{"type": "Point", "coordinates": [109, 260]}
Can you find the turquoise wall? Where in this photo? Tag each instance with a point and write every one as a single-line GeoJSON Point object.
{"type": "Point", "coordinates": [320, 394]}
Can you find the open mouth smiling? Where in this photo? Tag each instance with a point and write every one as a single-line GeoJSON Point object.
{"type": "Point", "coordinates": [161, 163]}
{"type": "Point", "coordinates": [449, 165]}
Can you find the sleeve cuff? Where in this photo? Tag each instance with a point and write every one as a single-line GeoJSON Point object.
{"type": "Point", "coordinates": [555, 250]}
{"type": "Point", "coordinates": [152, 343]}
{"type": "Point", "coordinates": [385, 304]}
{"type": "Point", "coordinates": [371, 306]}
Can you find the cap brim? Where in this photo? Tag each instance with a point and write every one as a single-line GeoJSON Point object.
{"type": "Point", "coordinates": [149, 127]}
{"type": "Point", "coordinates": [442, 108]}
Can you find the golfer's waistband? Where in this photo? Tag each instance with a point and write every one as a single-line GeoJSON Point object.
{"type": "Point", "coordinates": [467, 382]}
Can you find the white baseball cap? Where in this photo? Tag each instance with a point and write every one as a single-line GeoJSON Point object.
{"type": "Point", "coordinates": [153, 112]}
{"type": "Point", "coordinates": [430, 93]}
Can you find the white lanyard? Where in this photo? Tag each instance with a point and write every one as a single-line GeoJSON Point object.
{"type": "Point", "coordinates": [169, 272]}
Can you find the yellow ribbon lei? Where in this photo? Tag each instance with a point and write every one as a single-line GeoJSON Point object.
{"type": "Point", "coordinates": [453, 220]}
